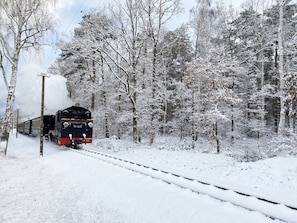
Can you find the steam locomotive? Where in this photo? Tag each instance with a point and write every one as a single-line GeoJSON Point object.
{"type": "Point", "coordinates": [70, 127]}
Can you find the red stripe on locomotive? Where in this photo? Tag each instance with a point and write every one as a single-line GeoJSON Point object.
{"type": "Point", "coordinates": [68, 141]}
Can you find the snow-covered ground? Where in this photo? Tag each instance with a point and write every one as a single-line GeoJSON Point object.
{"type": "Point", "coordinates": [64, 186]}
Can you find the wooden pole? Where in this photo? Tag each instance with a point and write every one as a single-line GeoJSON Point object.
{"type": "Point", "coordinates": [43, 75]}
{"type": "Point", "coordinates": [17, 124]}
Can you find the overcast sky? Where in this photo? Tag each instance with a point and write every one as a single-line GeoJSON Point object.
{"type": "Point", "coordinates": [68, 14]}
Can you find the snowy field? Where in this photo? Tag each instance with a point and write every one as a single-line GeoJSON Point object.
{"type": "Point", "coordinates": [65, 187]}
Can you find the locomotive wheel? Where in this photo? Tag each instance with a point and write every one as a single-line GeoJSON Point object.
{"type": "Point", "coordinates": [77, 146]}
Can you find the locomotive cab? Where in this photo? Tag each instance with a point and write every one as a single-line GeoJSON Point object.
{"type": "Point", "coordinates": [73, 126]}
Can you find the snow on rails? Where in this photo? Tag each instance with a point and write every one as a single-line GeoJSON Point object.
{"type": "Point", "coordinates": [269, 207]}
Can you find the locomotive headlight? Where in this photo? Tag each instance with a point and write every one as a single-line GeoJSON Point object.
{"type": "Point", "coordinates": [90, 124]}
{"type": "Point", "coordinates": [65, 124]}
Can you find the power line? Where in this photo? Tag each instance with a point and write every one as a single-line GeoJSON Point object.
{"type": "Point", "coordinates": [85, 4]}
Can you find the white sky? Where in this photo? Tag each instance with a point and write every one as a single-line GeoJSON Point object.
{"type": "Point", "coordinates": [68, 14]}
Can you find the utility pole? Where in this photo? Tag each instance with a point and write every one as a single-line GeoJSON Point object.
{"type": "Point", "coordinates": [17, 123]}
{"type": "Point", "coordinates": [43, 75]}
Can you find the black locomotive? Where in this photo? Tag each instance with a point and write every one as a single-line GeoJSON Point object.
{"type": "Point", "coordinates": [71, 127]}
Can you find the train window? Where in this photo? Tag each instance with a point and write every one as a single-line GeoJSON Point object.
{"type": "Point", "coordinates": [59, 116]}
{"type": "Point", "coordinates": [76, 113]}
{"type": "Point", "coordinates": [88, 114]}
{"type": "Point", "coordinates": [65, 114]}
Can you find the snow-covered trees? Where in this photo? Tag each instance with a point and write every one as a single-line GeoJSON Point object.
{"type": "Point", "coordinates": [264, 42]}
{"type": "Point", "coordinates": [82, 63]}
{"type": "Point", "coordinates": [23, 23]}
{"type": "Point", "coordinates": [155, 14]}
{"type": "Point", "coordinates": [177, 51]}
{"type": "Point", "coordinates": [224, 82]}
{"type": "Point", "coordinates": [214, 95]}
{"type": "Point", "coordinates": [286, 32]}
{"type": "Point", "coordinates": [127, 48]}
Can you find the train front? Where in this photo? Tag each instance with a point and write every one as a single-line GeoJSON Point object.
{"type": "Point", "coordinates": [73, 126]}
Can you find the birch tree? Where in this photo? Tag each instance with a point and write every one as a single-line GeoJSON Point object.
{"type": "Point", "coordinates": [126, 53]}
{"type": "Point", "coordinates": [206, 23]}
{"type": "Point", "coordinates": [282, 4]}
{"type": "Point", "coordinates": [203, 17]}
{"type": "Point", "coordinates": [23, 24]}
{"type": "Point", "coordinates": [156, 13]}
{"type": "Point", "coordinates": [281, 125]}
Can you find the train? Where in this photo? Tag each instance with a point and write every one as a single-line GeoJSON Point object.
{"type": "Point", "coordinates": [71, 127]}
{"type": "Point", "coordinates": [32, 127]}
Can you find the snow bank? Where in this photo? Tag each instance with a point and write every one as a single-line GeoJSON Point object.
{"type": "Point", "coordinates": [65, 187]}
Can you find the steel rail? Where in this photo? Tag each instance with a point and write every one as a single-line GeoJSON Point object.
{"type": "Point", "coordinates": [124, 163]}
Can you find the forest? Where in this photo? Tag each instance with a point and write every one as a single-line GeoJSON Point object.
{"type": "Point", "coordinates": [223, 76]}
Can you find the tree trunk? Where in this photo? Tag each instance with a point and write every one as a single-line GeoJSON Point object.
{"type": "Point", "coordinates": [9, 107]}
{"type": "Point", "coordinates": [134, 123]}
{"type": "Point", "coordinates": [275, 100]}
{"type": "Point", "coordinates": [232, 124]}
{"type": "Point", "coordinates": [217, 137]}
{"type": "Point", "coordinates": [262, 120]}
{"type": "Point", "coordinates": [193, 113]}
{"type": "Point", "coordinates": [153, 105]}
{"type": "Point", "coordinates": [291, 117]}
{"type": "Point", "coordinates": [28, 22]}
{"type": "Point", "coordinates": [281, 125]}
{"type": "Point", "coordinates": [232, 115]}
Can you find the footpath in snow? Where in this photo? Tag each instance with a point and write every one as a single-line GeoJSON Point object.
{"type": "Point", "coordinates": [66, 187]}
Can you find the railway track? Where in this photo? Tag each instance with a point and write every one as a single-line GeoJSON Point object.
{"type": "Point", "coordinates": [271, 208]}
